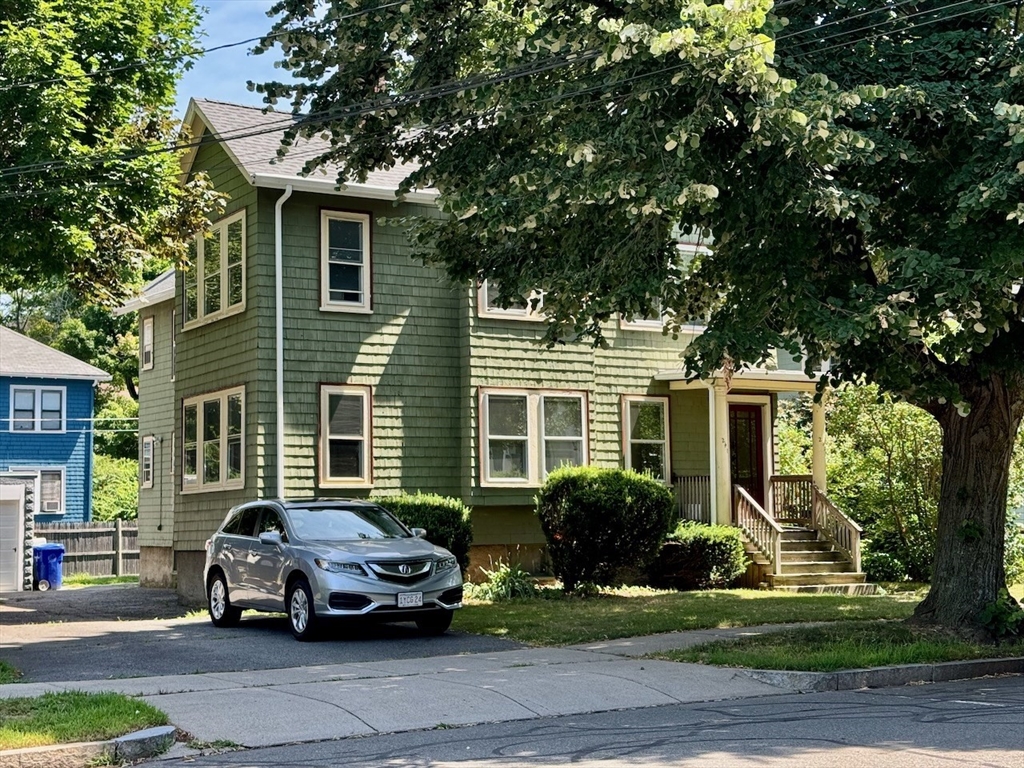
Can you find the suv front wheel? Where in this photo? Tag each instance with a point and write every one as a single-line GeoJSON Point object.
{"type": "Point", "coordinates": [436, 623]}
{"type": "Point", "coordinates": [301, 614]}
{"type": "Point", "coordinates": [222, 612]}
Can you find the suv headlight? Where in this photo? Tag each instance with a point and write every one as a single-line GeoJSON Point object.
{"type": "Point", "coordinates": [445, 564]}
{"type": "Point", "coordinates": [333, 566]}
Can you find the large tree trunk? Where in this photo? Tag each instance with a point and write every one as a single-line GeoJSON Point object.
{"type": "Point", "coordinates": [976, 452]}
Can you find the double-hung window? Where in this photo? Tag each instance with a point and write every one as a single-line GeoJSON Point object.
{"type": "Point", "coordinates": [37, 409]}
{"type": "Point", "coordinates": [146, 344]}
{"type": "Point", "coordinates": [527, 434]}
{"type": "Point", "coordinates": [528, 308]}
{"type": "Point", "coordinates": [49, 487]}
{"type": "Point", "coordinates": [345, 436]}
{"type": "Point", "coordinates": [146, 465]}
{"type": "Point", "coordinates": [345, 275]}
{"type": "Point", "coordinates": [645, 433]}
{"type": "Point", "coordinates": [215, 282]}
{"type": "Point", "coordinates": [213, 438]}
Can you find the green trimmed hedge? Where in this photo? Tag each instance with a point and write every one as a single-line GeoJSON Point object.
{"type": "Point", "coordinates": [600, 521]}
{"type": "Point", "coordinates": [699, 556]}
{"type": "Point", "coordinates": [445, 518]}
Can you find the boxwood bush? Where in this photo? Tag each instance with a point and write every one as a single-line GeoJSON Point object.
{"type": "Point", "coordinates": [699, 556]}
{"type": "Point", "coordinates": [600, 521]}
{"type": "Point", "coordinates": [445, 518]}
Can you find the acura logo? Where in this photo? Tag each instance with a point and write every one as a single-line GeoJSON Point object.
{"type": "Point", "coordinates": [404, 569]}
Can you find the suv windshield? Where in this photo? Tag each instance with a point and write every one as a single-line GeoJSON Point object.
{"type": "Point", "coordinates": [341, 523]}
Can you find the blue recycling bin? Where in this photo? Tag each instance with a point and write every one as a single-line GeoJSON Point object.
{"type": "Point", "coordinates": [48, 564]}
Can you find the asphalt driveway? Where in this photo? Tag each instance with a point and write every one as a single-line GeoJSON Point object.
{"type": "Point", "coordinates": [126, 631]}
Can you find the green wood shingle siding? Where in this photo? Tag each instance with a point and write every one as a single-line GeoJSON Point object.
{"type": "Point", "coordinates": [156, 419]}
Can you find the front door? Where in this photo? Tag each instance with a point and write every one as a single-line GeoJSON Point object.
{"type": "Point", "coordinates": [746, 449]}
{"type": "Point", "coordinates": [12, 562]}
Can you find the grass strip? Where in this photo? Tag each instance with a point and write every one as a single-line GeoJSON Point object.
{"type": "Point", "coordinates": [8, 673]}
{"type": "Point", "coordinates": [88, 580]}
{"type": "Point", "coordinates": [553, 619]}
{"type": "Point", "coordinates": [848, 645]}
{"type": "Point", "coordinates": [69, 716]}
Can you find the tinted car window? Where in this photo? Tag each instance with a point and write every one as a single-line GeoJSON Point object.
{"type": "Point", "coordinates": [341, 523]}
{"type": "Point", "coordinates": [271, 521]}
{"type": "Point", "coordinates": [244, 523]}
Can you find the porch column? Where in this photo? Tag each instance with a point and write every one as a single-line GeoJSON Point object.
{"type": "Point", "coordinates": [722, 471]}
{"type": "Point", "coordinates": [818, 443]}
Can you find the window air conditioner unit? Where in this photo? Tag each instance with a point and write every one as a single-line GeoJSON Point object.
{"type": "Point", "coordinates": [51, 506]}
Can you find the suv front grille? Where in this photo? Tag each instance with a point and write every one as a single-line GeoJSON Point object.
{"type": "Point", "coordinates": [402, 572]}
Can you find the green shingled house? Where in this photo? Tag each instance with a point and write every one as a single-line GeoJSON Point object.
{"type": "Point", "coordinates": [306, 354]}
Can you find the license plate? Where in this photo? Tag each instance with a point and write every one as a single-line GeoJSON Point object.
{"type": "Point", "coordinates": [410, 599]}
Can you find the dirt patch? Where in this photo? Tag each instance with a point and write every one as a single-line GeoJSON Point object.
{"type": "Point", "coordinates": [111, 602]}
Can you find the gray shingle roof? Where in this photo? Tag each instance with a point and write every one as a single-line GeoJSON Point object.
{"type": "Point", "coordinates": [155, 291]}
{"type": "Point", "coordinates": [258, 154]}
{"type": "Point", "coordinates": [22, 356]}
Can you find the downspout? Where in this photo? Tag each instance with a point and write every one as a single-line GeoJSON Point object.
{"type": "Point", "coordinates": [279, 333]}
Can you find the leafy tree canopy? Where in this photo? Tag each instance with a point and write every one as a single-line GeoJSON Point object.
{"type": "Point", "coordinates": [86, 188]}
{"type": "Point", "coordinates": [855, 168]}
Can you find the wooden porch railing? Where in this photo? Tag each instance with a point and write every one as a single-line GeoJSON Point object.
{"type": "Point", "coordinates": [693, 498]}
{"type": "Point", "coordinates": [835, 526]}
{"type": "Point", "coordinates": [791, 498]}
{"type": "Point", "coordinates": [761, 529]}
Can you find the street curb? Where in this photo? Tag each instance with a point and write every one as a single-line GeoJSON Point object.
{"type": "Point", "coordinates": [886, 677]}
{"type": "Point", "coordinates": [134, 746]}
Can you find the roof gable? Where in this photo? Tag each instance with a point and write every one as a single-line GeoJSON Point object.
{"type": "Point", "coordinates": [25, 357]}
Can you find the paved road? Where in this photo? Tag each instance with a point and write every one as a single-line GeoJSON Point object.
{"type": "Point", "coordinates": [949, 725]}
{"type": "Point", "coordinates": [77, 635]}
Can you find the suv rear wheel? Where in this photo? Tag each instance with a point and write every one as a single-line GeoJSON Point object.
{"type": "Point", "coordinates": [222, 612]}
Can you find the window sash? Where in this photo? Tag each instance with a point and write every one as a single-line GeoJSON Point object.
{"type": "Point", "coordinates": [531, 307]}
{"type": "Point", "coordinates": [633, 448]}
{"type": "Point", "coordinates": [215, 284]}
{"type": "Point", "coordinates": [146, 465]}
{"type": "Point", "coordinates": [213, 441]}
{"type": "Point", "coordinates": [345, 270]}
{"type": "Point", "coordinates": [346, 438]}
{"type": "Point", "coordinates": [37, 409]}
{"type": "Point", "coordinates": [525, 460]}
{"type": "Point", "coordinates": [146, 347]}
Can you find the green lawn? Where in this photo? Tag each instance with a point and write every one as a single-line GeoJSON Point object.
{"type": "Point", "coordinates": [59, 718]}
{"type": "Point", "coordinates": [849, 645]}
{"type": "Point", "coordinates": [85, 580]}
{"type": "Point", "coordinates": [557, 620]}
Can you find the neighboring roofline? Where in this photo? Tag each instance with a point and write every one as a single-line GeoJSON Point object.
{"type": "Point", "coordinates": [193, 114]}
{"type": "Point", "coordinates": [327, 186]}
{"type": "Point", "coordinates": [55, 377]}
{"type": "Point", "coordinates": [791, 381]}
{"type": "Point", "coordinates": [145, 299]}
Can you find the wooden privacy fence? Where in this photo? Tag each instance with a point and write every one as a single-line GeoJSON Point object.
{"type": "Point", "coordinates": [98, 549]}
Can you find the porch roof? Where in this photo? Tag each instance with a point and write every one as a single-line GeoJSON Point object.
{"type": "Point", "coordinates": [758, 380]}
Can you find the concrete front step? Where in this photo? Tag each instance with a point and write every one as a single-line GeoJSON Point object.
{"type": "Point", "coordinates": [813, 579]}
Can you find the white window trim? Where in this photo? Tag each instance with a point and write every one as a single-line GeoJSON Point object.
{"type": "Point", "coordinates": [224, 484]}
{"type": "Point", "coordinates": [532, 313]}
{"type": "Point", "coordinates": [197, 269]}
{"type": "Point", "coordinates": [535, 437]}
{"type": "Point", "coordinates": [365, 306]}
{"type": "Point", "coordinates": [627, 441]}
{"type": "Point", "coordinates": [174, 334]}
{"type": "Point", "coordinates": [36, 471]}
{"type": "Point", "coordinates": [146, 343]}
{"type": "Point", "coordinates": [148, 445]}
{"type": "Point", "coordinates": [366, 393]}
{"type": "Point", "coordinates": [37, 418]}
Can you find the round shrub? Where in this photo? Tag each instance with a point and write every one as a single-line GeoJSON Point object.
{"type": "Point", "coordinates": [599, 521]}
{"type": "Point", "coordinates": [699, 556]}
{"type": "Point", "coordinates": [881, 566]}
{"type": "Point", "coordinates": [445, 518]}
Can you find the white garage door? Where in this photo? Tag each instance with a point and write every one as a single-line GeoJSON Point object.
{"type": "Point", "coordinates": [12, 520]}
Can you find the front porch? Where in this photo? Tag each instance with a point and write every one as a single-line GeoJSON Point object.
{"type": "Point", "coordinates": [796, 537]}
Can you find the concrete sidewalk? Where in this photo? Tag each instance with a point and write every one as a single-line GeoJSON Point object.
{"type": "Point", "coordinates": [281, 706]}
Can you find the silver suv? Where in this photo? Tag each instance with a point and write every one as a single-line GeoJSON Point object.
{"type": "Point", "coordinates": [319, 559]}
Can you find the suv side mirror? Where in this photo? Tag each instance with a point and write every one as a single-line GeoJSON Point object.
{"type": "Point", "coordinates": [271, 537]}
{"type": "Point", "coordinates": [419, 533]}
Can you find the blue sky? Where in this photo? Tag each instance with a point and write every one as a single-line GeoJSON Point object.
{"type": "Point", "coordinates": [222, 75]}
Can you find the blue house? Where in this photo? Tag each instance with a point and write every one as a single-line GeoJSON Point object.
{"type": "Point", "coordinates": [46, 439]}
